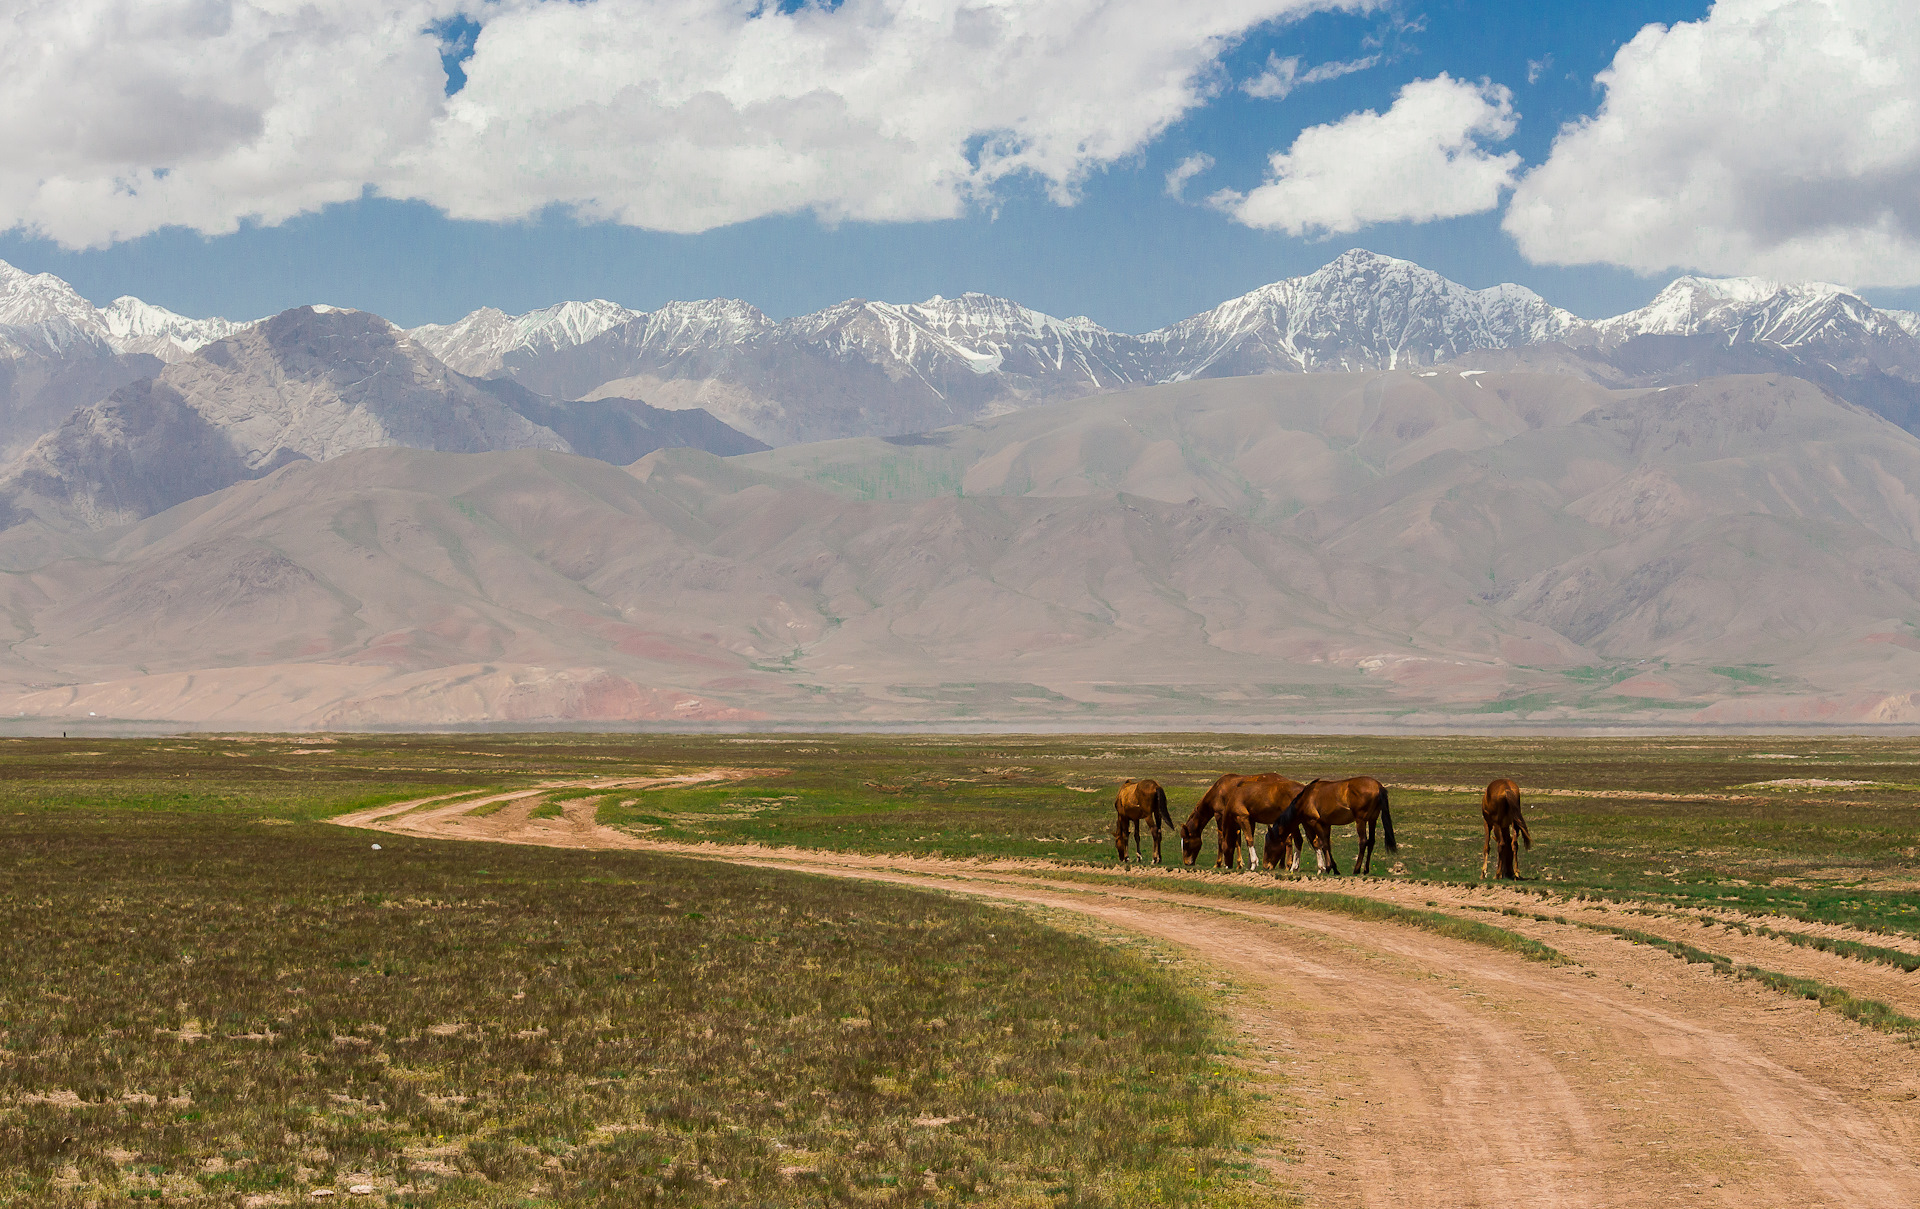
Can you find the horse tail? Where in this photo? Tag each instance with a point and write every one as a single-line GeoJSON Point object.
{"type": "Point", "coordinates": [1520, 820]}
{"type": "Point", "coordinates": [1386, 821]}
{"type": "Point", "coordinates": [1160, 811]}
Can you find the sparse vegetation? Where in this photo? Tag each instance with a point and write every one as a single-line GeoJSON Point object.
{"type": "Point", "coordinates": [200, 1007]}
{"type": "Point", "coordinates": [212, 998]}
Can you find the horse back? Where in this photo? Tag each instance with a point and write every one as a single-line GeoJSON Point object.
{"type": "Point", "coordinates": [1139, 796]}
{"type": "Point", "coordinates": [1502, 798]}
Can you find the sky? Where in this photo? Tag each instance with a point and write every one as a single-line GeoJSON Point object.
{"type": "Point", "coordinates": [1134, 161]}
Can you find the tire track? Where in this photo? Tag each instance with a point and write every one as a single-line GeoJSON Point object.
{"type": "Point", "coordinates": [1432, 1072]}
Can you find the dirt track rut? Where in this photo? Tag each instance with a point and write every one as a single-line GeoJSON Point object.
{"type": "Point", "coordinates": [1432, 1072]}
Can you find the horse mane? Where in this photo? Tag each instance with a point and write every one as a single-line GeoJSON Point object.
{"type": "Point", "coordinates": [1204, 809]}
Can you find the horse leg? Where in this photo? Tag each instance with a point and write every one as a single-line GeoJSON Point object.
{"type": "Point", "coordinates": [1155, 825]}
{"type": "Point", "coordinates": [1486, 849]}
{"type": "Point", "coordinates": [1333, 862]}
{"type": "Point", "coordinates": [1120, 837]}
{"type": "Point", "coordinates": [1506, 852]}
{"type": "Point", "coordinates": [1363, 859]}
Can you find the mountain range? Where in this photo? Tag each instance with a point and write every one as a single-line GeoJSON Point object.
{"type": "Point", "coordinates": [1366, 495]}
{"type": "Point", "coordinates": [863, 368]}
{"type": "Point", "coordinates": [1430, 546]}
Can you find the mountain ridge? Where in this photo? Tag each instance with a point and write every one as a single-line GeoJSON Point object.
{"type": "Point", "coordinates": [864, 367]}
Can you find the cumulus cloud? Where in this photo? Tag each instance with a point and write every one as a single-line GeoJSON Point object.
{"type": "Point", "coordinates": [1772, 137]}
{"type": "Point", "coordinates": [1184, 172]}
{"type": "Point", "coordinates": [1283, 76]}
{"type": "Point", "coordinates": [1422, 159]}
{"type": "Point", "coordinates": [681, 115]}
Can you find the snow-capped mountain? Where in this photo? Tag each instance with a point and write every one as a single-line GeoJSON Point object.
{"type": "Point", "coordinates": [1362, 311]}
{"type": "Point", "coordinates": [1754, 309]}
{"type": "Point", "coordinates": [865, 367]}
{"type": "Point", "coordinates": [134, 326]}
{"type": "Point", "coordinates": [42, 315]}
{"type": "Point", "coordinates": [476, 344]}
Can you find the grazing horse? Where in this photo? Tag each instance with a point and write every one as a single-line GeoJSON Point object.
{"type": "Point", "coordinates": [1321, 807]}
{"type": "Point", "coordinates": [1500, 811]}
{"type": "Point", "coordinates": [1139, 800]}
{"type": "Point", "coordinates": [1238, 802]}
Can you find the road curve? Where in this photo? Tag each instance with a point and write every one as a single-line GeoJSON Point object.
{"type": "Point", "coordinates": [1426, 1071]}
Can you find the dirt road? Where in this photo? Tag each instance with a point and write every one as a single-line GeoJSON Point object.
{"type": "Point", "coordinates": [1427, 1071]}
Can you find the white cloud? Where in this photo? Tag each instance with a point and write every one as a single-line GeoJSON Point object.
{"type": "Point", "coordinates": [1421, 160]}
{"type": "Point", "coordinates": [1185, 171]}
{"type": "Point", "coordinates": [124, 116]}
{"type": "Point", "coordinates": [1283, 76]}
{"type": "Point", "coordinates": [1773, 137]}
{"type": "Point", "coordinates": [1539, 67]}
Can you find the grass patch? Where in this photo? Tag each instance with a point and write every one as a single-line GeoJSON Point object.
{"type": "Point", "coordinates": [1846, 948]}
{"type": "Point", "coordinates": [201, 1008]}
{"type": "Point", "coordinates": [1438, 922]}
{"type": "Point", "coordinates": [1683, 821]}
{"type": "Point", "coordinates": [1870, 1012]}
{"type": "Point", "coordinates": [489, 809]}
{"type": "Point", "coordinates": [549, 809]}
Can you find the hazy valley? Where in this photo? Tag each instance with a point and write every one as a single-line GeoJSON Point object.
{"type": "Point", "coordinates": [1411, 547]}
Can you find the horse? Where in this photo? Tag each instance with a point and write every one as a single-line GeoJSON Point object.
{"type": "Point", "coordinates": [1239, 802]}
{"type": "Point", "coordinates": [1500, 811]}
{"type": "Point", "coordinates": [1139, 800]}
{"type": "Point", "coordinates": [1324, 805]}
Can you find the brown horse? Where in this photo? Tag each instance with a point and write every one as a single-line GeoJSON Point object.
{"type": "Point", "coordinates": [1139, 800]}
{"type": "Point", "coordinates": [1500, 811]}
{"type": "Point", "coordinates": [1238, 802]}
{"type": "Point", "coordinates": [1324, 805]}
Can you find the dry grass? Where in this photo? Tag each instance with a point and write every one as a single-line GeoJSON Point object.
{"type": "Point", "coordinates": [209, 1010]}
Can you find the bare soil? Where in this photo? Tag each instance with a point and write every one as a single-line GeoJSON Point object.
{"type": "Point", "coordinates": [1425, 1071]}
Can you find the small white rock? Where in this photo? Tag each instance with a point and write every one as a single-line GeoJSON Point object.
{"type": "Point", "coordinates": [376, 847]}
{"type": "Point", "coordinates": [362, 1189]}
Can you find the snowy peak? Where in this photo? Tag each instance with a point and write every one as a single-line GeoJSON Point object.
{"type": "Point", "coordinates": [1361, 311]}
{"type": "Point", "coordinates": [134, 326]}
{"type": "Point", "coordinates": [478, 344]}
{"type": "Point", "coordinates": [1756, 309]}
{"type": "Point", "coordinates": [678, 328]}
{"type": "Point", "coordinates": [46, 315]}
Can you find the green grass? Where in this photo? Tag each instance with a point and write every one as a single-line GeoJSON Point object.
{"type": "Point", "coordinates": [1834, 854]}
{"type": "Point", "coordinates": [1871, 1012]}
{"type": "Point", "coordinates": [203, 1007]}
{"type": "Point", "coordinates": [1438, 922]}
{"type": "Point", "coordinates": [1847, 948]}
{"type": "Point", "coordinates": [549, 809]}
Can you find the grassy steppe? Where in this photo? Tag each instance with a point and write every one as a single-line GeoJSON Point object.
{"type": "Point", "coordinates": [1688, 820]}
{"type": "Point", "coordinates": [211, 997]}
{"type": "Point", "coordinates": [200, 1007]}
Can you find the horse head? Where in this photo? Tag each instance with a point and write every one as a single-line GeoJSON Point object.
{"type": "Point", "coordinates": [1190, 841]}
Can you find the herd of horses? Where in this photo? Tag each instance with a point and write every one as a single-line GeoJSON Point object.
{"type": "Point", "coordinates": [1296, 816]}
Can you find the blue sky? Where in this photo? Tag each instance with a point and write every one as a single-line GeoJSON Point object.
{"type": "Point", "coordinates": [1125, 253]}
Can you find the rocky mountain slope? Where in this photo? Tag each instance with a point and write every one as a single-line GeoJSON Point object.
{"type": "Point", "coordinates": [58, 351]}
{"type": "Point", "coordinates": [1447, 547]}
{"type": "Point", "coordinates": [872, 368]}
{"type": "Point", "coordinates": [309, 384]}
{"type": "Point", "coordinates": [877, 368]}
